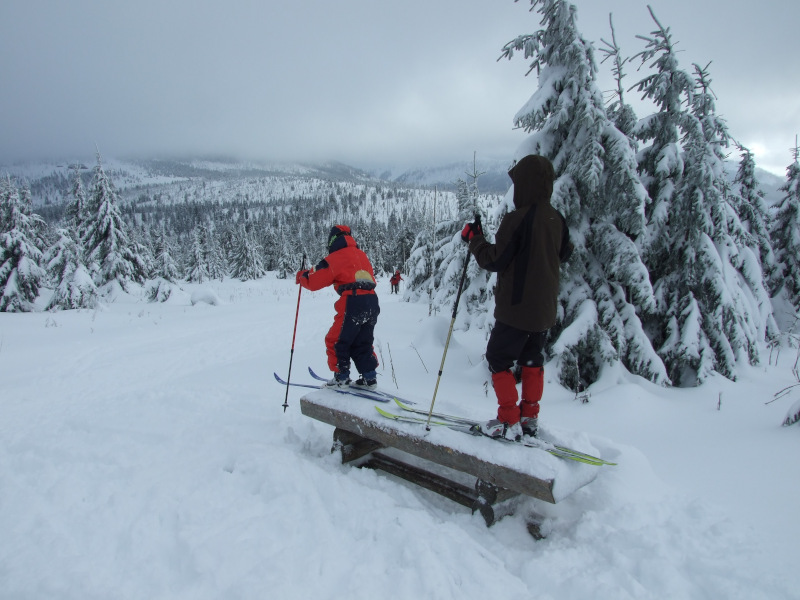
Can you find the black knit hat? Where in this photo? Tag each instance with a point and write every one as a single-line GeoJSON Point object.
{"type": "Point", "coordinates": [336, 231]}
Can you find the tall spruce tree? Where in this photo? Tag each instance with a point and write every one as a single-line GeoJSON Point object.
{"type": "Point", "coordinates": [621, 113]}
{"type": "Point", "coordinates": [605, 289]}
{"type": "Point", "coordinates": [214, 255]}
{"type": "Point", "coordinates": [786, 232]}
{"type": "Point", "coordinates": [109, 251]}
{"type": "Point", "coordinates": [422, 273]}
{"type": "Point", "coordinates": [450, 254]}
{"type": "Point", "coordinates": [164, 264]}
{"type": "Point", "coordinates": [281, 252]}
{"type": "Point", "coordinates": [142, 246]}
{"type": "Point", "coordinates": [196, 264]}
{"type": "Point", "coordinates": [21, 275]}
{"type": "Point", "coordinates": [402, 242]}
{"type": "Point", "coordinates": [703, 276]}
{"type": "Point", "coordinates": [247, 258]}
{"type": "Point", "coordinates": [661, 161]}
{"type": "Point", "coordinates": [75, 212]}
{"type": "Point", "coordinates": [754, 213]}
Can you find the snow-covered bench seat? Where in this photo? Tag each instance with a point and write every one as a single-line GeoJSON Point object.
{"type": "Point", "coordinates": [476, 472]}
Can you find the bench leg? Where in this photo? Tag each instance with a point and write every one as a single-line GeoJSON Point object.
{"type": "Point", "coordinates": [487, 496]}
{"type": "Point", "coordinates": [352, 446]}
{"type": "Point", "coordinates": [483, 499]}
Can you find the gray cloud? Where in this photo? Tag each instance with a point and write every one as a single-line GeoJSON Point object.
{"type": "Point", "coordinates": [357, 80]}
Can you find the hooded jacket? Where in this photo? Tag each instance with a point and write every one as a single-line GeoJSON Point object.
{"type": "Point", "coordinates": [530, 245]}
{"type": "Point", "coordinates": [346, 268]}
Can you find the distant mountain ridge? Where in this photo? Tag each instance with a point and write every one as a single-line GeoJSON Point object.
{"type": "Point", "coordinates": [49, 180]}
{"type": "Point", "coordinates": [494, 177]}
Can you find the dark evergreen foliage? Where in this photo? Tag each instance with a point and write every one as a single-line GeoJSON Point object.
{"type": "Point", "coordinates": [786, 232]}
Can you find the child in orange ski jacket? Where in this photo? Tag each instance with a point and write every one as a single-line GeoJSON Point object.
{"type": "Point", "coordinates": [349, 271]}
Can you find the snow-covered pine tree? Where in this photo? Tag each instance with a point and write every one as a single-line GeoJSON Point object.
{"type": "Point", "coordinates": [620, 112]}
{"type": "Point", "coordinates": [402, 242]}
{"type": "Point", "coordinates": [196, 265]}
{"type": "Point", "coordinates": [107, 246]}
{"type": "Point", "coordinates": [786, 232]}
{"type": "Point", "coordinates": [660, 161]}
{"type": "Point", "coordinates": [142, 245]}
{"type": "Point", "coordinates": [215, 257]}
{"type": "Point", "coordinates": [20, 250]}
{"type": "Point", "coordinates": [738, 306]}
{"type": "Point", "coordinates": [421, 279]}
{"type": "Point", "coordinates": [754, 213]}
{"type": "Point", "coordinates": [283, 256]}
{"type": "Point", "coordinates": [605, 287]}
{"type": "Point", "coordinates": [164, 264]}
{"type": "Point", "coordinates": [703, 276]}
{"type": "Point", "coordinates": [74, 285]}
{"type": "Point", "coordinates": [370, 239]}
{"type": "Point", "coordinates": [478, 283]}
{"type": "Point", "coordinates": [246, 261]}
{"type": "Point", "coordinates": [449, 256]}
{"type": "Point", "coordinates": [75, 211]}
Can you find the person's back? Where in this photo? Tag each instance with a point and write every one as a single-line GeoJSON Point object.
{"type": "Point", "coordinates": [528, 249]}
{"type": "Point", "coordinates": [348, 269]}
{"type": "Point", "coordinates": [530, 245]}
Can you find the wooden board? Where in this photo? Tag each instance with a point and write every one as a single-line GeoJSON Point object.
{"type": "Point", "coordinates": [321, 407]}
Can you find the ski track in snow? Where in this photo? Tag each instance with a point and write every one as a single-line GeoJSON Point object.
{"type": "Point", "coordinates": [145, 453]}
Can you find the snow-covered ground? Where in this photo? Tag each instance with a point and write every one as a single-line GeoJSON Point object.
{"type": "Point", "coordinates": [145, 453]}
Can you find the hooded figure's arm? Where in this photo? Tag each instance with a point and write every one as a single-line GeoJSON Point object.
{"type": "Point", "coordinates": [497, 256]}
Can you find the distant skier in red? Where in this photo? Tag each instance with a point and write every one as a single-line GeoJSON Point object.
{"type": "Point", "coordinates": [531, 243]}
{"type": "Point", "coordinates": [395, 281]}
{"type": "Point", "coordinates": [349, 271]}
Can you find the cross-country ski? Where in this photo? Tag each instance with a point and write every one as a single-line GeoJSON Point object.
{"type": "Point", "coordinates": [559, 451]}
{"type": "Point", "coordinates": [350, 391]}
{"type": "Point", "coordinates": [470, 425]}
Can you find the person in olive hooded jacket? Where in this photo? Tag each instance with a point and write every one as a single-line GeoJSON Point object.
{"type": "Point", "coordinates": [531, 243]}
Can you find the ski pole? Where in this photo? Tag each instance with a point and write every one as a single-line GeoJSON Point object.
{"type": "Point", "coordinates": [294, 333]}
{"type": "Point", "coordinates": [450, 332]}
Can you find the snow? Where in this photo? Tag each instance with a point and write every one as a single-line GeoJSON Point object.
{"type": "Point", "coordinates": [145, 453]}
{"type": "Point", "coordinates": [206, 295]}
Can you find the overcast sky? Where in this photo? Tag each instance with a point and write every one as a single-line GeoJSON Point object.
{"type": "Point", "coordinates": [362, 81]}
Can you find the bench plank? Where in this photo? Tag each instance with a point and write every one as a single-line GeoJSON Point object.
{"type": "Point", "coordinates": [386, 433]}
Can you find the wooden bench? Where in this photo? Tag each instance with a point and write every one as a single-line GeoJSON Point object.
{"type": "Point", "coordinates": [362, 436]}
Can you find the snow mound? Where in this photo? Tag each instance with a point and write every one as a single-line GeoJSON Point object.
{"type": "Point", "coordinates": [206, 296]}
